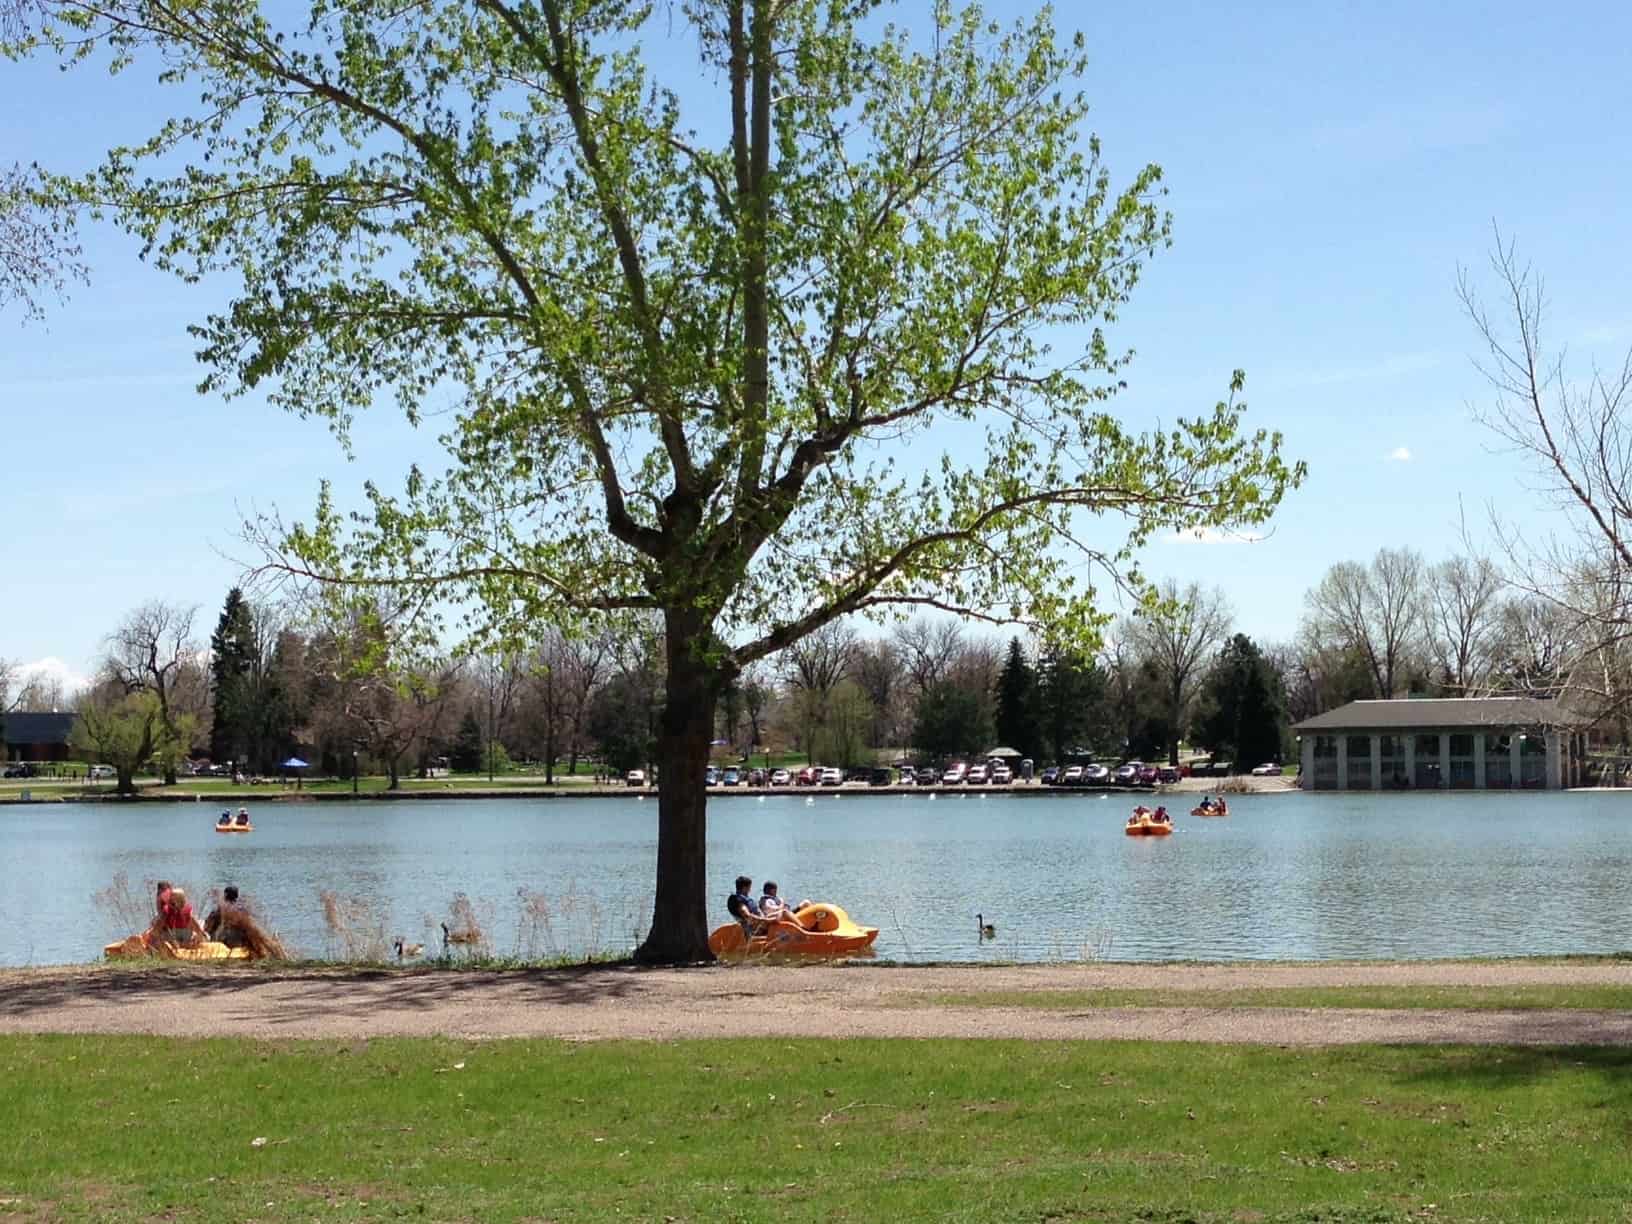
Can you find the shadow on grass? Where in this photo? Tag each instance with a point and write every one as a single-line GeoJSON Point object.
{"type": "Point", "coordinates": [335, 992]}
{"type": "Point", "coordinates": [1521, 1066]}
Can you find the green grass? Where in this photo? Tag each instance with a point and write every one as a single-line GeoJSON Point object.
{"type": "Point", "coordinates": [802, 1129]}
{"type": "Point", "coordinates": [1466, 998]}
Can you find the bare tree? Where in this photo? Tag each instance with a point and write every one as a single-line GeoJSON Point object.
{"type": "Point", "coordinates": [1179, 635]}
{"type": "Point", "coordinates": [1463, 614]}
{"type": "Point", "coordinates": [153, 651]}
{"type": "Point", "coordinates": [813, 667]}
{"type": "Point", "coordinates": [9, 699]}
{"type": "Point", "coordinates": [928, 649]}
{"type": "Point", "coordinates": [1376, 610]}
{"type": "Point", "coordinates": [1574, 430]}
{"type": "Point", "coordinates": [879, 672]}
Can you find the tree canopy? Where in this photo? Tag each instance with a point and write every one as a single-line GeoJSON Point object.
{"type": "Point", "coordinates": [810, 327]}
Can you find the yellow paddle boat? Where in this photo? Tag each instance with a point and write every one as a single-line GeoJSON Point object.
{"type": "Point", "coordinates": [225, 823]}
{"type": "Point", "coordinates": [138, 946]}
{"type": "Point", "coordinates": [821, 930]}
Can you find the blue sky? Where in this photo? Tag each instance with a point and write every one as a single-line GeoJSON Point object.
{"type": "Point", "coordinates": [1329, 167]}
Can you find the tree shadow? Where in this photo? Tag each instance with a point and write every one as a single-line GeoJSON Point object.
{"type": "Point", "coordinates": [305, 994]}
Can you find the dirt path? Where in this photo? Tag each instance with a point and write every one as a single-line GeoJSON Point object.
{"type": "Point", "coordinates": [740, 1001]}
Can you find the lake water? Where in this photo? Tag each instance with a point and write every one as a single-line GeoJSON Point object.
{"type": "Point", "coordinates": [1290, 876]}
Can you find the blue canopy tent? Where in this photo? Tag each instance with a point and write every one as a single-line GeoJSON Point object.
{"type": "Point", "coordinates": [293, 763]}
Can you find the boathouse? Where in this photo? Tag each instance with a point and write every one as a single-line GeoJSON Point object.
{"type": "Point", "coordinates": [37, 737]}
{"type": "Point", "coordinates": [1445, 743]}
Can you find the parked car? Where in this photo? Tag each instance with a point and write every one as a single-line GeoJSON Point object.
{"type": "Point", "coordinates": [1096, 774]}
{"type": "Point", "coordinates": [1167, 775]}
{"type": "Point", "coordinates": [781, 777]}
{"type": "Point", "coordinates": [1002, 775]}
{"type": "Point", "coordinates": [756, 777]}
{"type": "Point", "coordinates": [104, 771]}
{"type": "Point", "coordinates": [810, 775]}
{"type": "Point", "coordinates": [975, 776]}
{"type": "Point", "coordinates": [1149, 775]}
{"type": "Point", "coordinates": [635, 777]}
{"type": "Point", "coordinates": [1049, 776]}
{"type": "Point", "coordinates": [1269, 769]}
{"type": "Point", "coordinates": [712, 777]}
{"type": "Point", "coordinates": [882, 776]}
{"type": "Point", "coordinates": [832, 776]}
{"type": "Point", "coordinates": [927, 776]}
{"type": "Point", "coordinates": [1127, 774]}
{"type": "Point", "coordinates": [731, 777]}
{"type": "Point", "coordinates": [1072, 776]}
{"type": "Point", "coordinates": [955, 775]}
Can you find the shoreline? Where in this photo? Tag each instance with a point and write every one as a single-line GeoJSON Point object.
{"type": "Point", "coordinates": [243, 795]}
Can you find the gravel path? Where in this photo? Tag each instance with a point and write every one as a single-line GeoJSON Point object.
{"type": "Point", "coordinates": [773, 1001]}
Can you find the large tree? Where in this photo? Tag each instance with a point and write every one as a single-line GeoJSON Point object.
{"type": "Point", "coordinates": [1377, 610]}
{"type": "Point", "coordinates": [1176, 636]}
{"type": "Point", "coordinates": [810, 328]}
{"type": "Point", "coordinates": [153, 651]}
{"type": "Point", "coordinates": [1016, 719]}
{"type": "Point", "coordinates": [1242, 711]}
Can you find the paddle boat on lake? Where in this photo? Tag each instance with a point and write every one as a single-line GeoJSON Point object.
{"type": "Point", "coordinates": [227, 823]}
{"type": "Point", "coordinates": [1147, 823]}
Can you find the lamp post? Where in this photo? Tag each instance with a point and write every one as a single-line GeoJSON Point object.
{"type": "Point", "coordinates": [354, 773]}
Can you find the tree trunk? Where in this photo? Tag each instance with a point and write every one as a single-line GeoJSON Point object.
{"type": "Point", "coordinates": [396, 780]}
{"type": "Point", "coordinates": [679, 932]}
{"type": "Point", "coordinates": [126, 783]}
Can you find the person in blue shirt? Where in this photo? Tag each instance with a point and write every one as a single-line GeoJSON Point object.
{"type": "Point", "coordinates": [742, 906]}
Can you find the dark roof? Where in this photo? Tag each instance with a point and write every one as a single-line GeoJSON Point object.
{"type": "Point", "coordinates": [1411, 713]}
{"type": "Point", "coordinates": [39, 728]}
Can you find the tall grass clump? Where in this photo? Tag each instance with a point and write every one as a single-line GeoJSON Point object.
{"type": "Point", "coordinates": [355, 932]}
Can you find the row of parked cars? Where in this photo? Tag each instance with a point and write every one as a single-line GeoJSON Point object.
{"type": "Point", "coordinates": [1130, 773]}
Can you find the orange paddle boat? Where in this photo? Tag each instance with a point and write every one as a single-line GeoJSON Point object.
{"type": "Point", "coordinates": [1145, 823]}
{"type": "Point", "coordinates": [821, 930]}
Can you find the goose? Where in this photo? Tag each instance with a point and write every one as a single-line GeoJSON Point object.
{"type": "Point", "coordinates": [987, 930]}
{"type": "Point", "coordinates": [456, 937]}
{"type": "Point", "coordinates": [406, 951]}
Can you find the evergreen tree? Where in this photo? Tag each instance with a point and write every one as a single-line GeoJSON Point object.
{"type": "Point", "coordinates": [1017, 722]}
{"type": "Point", "coordinates": [232, 663]}
{"type": "Point", "coordinates": [951, 720]}
{"type": "Point", "coordinates": [466, 756]}
{"type": "Point", "coordinates": [1069, 697]}
{"type": "Point", "coordinates": [1243, 714]}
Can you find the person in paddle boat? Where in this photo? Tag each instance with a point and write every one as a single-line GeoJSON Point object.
{"type": "Point", "coordinates": [1160, 816]}
{"type": "Point", "coordinates": [223, 922]}
{"type": "Point", "coordinates": [243, 816]}
{"type": "Point", "coordinates": [225, 820]}
{"type": "Point", "coordinates": [742, 906]}
{"type": "Point", "coordinates": [177, 922]}
{"type": "Point", "coordinates": [773, 908]}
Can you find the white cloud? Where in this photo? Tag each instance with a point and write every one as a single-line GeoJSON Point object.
{"type": "Point", "coordinates": [1400, 454]}
{"type": "Point", "coordinates": [52, 669]}
{"type": "Point", "coordinates": [1214, 535]}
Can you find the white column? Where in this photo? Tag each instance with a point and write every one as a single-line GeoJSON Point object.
{"type": "Point", "coordinates": [1514, 745]}
{"type": "Point", "coordinates": [1343, 762]}
{"type": "Point", "coordinates": [1306, 759]}
{"type": "Point", "coordinates": [1555, 771]}
{"type": "Point", "coordinates": [1479, 761]}
{"type": "Point", "coordinates": [1444, 761]}
{"type": "Point", "coordinates": [1376, 762]}
{"type": "Point", "coordinates": [1408, 741]}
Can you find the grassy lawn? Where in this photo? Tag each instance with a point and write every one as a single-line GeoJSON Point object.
{"type": "Point", "coordinates": [1466, 998]}
{"type": "Point", "coordinates": [802, 1129]}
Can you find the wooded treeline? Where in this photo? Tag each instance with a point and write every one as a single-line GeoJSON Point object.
{"type": "Point", "coordinates": [264, 686]}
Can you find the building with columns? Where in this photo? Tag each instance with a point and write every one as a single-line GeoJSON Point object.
{"type": "Point", "coordinates": [1444, 743]}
